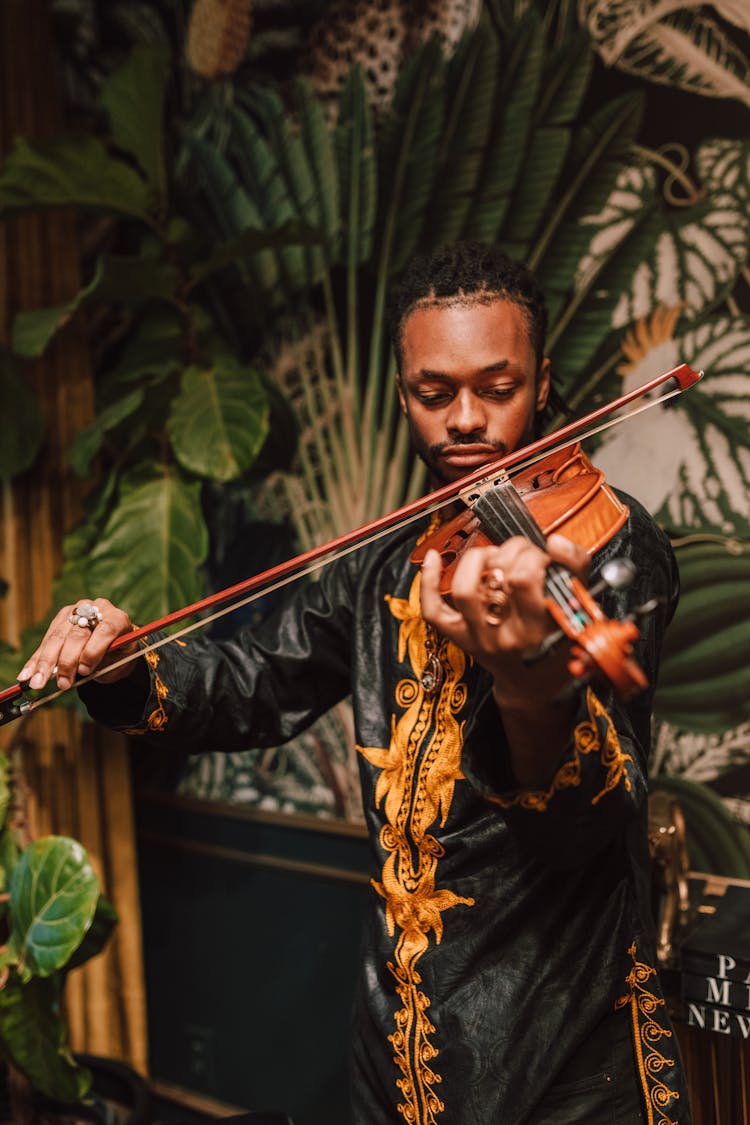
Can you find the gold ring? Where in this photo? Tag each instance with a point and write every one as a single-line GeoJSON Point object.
{"type": "Point", "coordinates": [493, 589]}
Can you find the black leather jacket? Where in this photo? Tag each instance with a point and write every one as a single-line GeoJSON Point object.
{"type": "Point", "coordinates": [505, 924]}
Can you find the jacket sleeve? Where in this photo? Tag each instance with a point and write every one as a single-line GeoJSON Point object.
{"type": "Point", "coordinates": [260, 688]}
{"type": "Point", "coordinates": [601, 780]}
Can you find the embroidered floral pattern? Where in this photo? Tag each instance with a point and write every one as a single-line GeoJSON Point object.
{"type": "Point", "coordinates": [418, 773]}
{"type": "Point", "coordinates": [158, 718]}
{"type": "Point", "coordinates": [586, 740]}
{"type": "Point", "coordinates": [649, 1030]}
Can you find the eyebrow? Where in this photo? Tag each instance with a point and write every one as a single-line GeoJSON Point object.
{"type": "Point", "coordinates": [498, 366]}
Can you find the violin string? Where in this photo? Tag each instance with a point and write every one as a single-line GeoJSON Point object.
{"type": "Point", "coordinates": [505, 504]}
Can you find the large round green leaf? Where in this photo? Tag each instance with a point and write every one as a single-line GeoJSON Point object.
{"type": "Point", "coordinates": [33, 1034]}
{"type": "Point", "coordinates": [148, 555]}
{"type": "Point", "coordinates": [219, 420]}
{"type": "Point", "coordinates": [133, 95]}
{"type": "Point", "coordinates": [53, 896]}
{"type": "Point", "coordinates": [71, 171]}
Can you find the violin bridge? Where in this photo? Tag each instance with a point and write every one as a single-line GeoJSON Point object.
{"type": "Point", "coordinates": [480, 488]}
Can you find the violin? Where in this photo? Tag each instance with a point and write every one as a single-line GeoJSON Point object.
{"type": "Point", "coordinates": [561, 493]}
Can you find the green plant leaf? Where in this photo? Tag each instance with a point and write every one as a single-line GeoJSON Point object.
{"type": "Point", "coordinates": [567, 75]}
{"type": "Point", "coordinates": [133, 96]}
{"type": "Point", "coordinates": [537, 181]}
{"type": "Point", "coordinates": [262, 177]}
{"type": "Point", "coordinates": [53, 896]}
{"type": "Point", "coordinates": [284, 139]}
{"type": "Point", "coordinates": [514, 110]}
{"type": "Point", "coordinates": [88, 441]}
{"type": "Point", "coordinates": [722, 162]}
{"type": "Point", "coordinates": [117, 280]}
{"type": "Point", "coordinates": [10, 853]}
{"type": "Point", "coordinates": [23, 429]}
{"type": "Point", "coordinates": [148, 555]}
{"type": "Point", "coordinates": [684, 47]}
{"type": "Point", "coordinates": [597, 155]}
{"type": "Point", "coordinates": [33, 1034]}
{"type": "Point", "coordinates": [71, 171]}
{"type": "Point", "coordinates": [471, 91]}
{"type": "Point", "coordinates": [252, 241]}
{"type": "Point", "coordinates": [104, 921]}
{"type": "Point", "coordinates": [627, 221]}
{"type": "Point", "coordinates": [688, 257]}
{"type": "Point", "coordinates": [409, 147]}
{"type": "Point", "coordinates": [354, 141]}
{"type": "Point", "coordinates": [232, 208]}
{"type": "Point", "coordinates": [152, 351]}
{"type": "Point", "coordinates": [219, 421]}
{"type": "Point", "coordinates": [318, 143]}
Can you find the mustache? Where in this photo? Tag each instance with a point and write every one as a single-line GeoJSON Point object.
{"type": "Point", "coordinates": [468, 439]}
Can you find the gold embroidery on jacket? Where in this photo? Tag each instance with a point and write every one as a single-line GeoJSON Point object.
{"type": "Point", "coordinates": [648, 1030]}
{"type": "Point", "coordinates": [586, 740]}
{"type": "Point", "coordinates": [158, 718]}
{"type": "Point", "coordinates": [418, 773]}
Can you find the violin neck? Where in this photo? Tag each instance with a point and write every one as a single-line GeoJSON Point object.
{"type": "Point", "coordinates": [503, 514]}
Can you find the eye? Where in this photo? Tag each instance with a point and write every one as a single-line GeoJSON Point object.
{"type": "Point", "coordinates": [500, 392]}
{"type": "Point", "coordinates": [433, 398]}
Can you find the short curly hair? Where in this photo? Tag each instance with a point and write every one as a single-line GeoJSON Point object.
{"type": "Point", "coordinates": [465, 269]}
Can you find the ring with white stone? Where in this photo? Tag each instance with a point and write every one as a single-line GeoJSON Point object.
{"type": "Point", "coordinates": [87, 615]}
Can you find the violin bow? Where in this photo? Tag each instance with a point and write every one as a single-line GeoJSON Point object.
{"type": "Point", "coordinates": [672, 383]}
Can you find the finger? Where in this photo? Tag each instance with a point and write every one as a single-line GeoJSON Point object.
{"type": "Point", "coordinates": [69, 649]}
{"type": "Point", "coordinates": [570, 554]}
{"type": "Point", "coordinates": [526, 568]}
{"type": "Point", "coordinates": [38, 668]}
{"type": "Point", "coordinates": [113, 624]}
{"type": "Point", "coordinates": [467, 588]}
{"type": "Point", "coordinates": [435, 609]}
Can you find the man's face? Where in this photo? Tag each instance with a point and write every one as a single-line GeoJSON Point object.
{"type": "Point", "coordinates": [469, 384]}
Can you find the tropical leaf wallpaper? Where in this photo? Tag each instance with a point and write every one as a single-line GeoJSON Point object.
{"type": "Point", "coordinates": [264, 169]}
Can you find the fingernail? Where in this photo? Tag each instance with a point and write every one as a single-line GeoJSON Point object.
{"type": "Point", "coordinates": [37, 680]}
{"type": "Point", "coordinates": [83, 669]}
{"type": "Point", "coordinates": [63, 682]}
{"type": "Point", "coordinates": [24, 673]}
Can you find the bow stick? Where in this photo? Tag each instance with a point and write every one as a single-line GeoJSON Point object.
{"type": "Point", "coordinates": [682, 378]}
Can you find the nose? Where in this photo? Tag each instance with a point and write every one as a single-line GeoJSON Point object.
{"type": "Point", "coordinates": [467, 414]}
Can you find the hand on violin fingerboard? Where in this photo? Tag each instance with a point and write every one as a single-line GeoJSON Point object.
{"type": "Point", "coordinates": [496, 614]}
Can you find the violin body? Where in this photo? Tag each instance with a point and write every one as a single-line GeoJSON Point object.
{"type": "Point", "coordinates": [563, 493]}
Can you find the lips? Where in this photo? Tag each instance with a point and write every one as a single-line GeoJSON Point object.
{"type": "Point", "coordinates": [469, 455]}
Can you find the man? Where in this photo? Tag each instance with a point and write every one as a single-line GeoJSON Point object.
{"type": "Point", "coordinates": [508, 973]}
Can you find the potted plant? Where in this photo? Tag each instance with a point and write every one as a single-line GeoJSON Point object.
{"type": "Point", "coordinates": [54, 918]}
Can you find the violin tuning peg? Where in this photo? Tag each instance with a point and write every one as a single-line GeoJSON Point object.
{"type": "Point", "coordinates": [616, 574]}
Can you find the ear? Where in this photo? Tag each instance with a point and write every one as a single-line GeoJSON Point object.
{"type": "Point", "coordinates": [543, 384]}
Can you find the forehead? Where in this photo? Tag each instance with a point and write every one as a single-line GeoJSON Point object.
{"type": "Point", "coordinates": [465, 334]}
